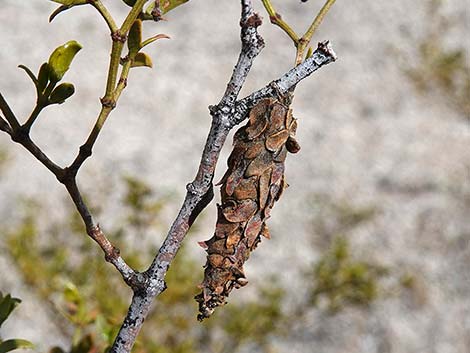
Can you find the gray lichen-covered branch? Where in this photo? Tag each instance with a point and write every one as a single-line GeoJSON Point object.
{"type": "Point", "coordinates": [225, 116]}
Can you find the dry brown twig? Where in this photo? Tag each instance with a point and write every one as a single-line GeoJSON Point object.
{"type": "Point", "coordinates": [225, 115]}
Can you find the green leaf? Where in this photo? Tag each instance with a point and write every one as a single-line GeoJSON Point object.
{"type": "Point", "coordinates": [61, 93]}
{"type": "Point", "coordinates": [43, 77]}
{"type": "Point", "coordinates": [60, 59]}
{"type": "Point", "coordinates": [71, 293]}
{"type": "Point", "coordinates": [7, 304]}
{"type": "Point", "coordinates": [30, 74]}
{"type": "Point", "coordinates": [135, 37]}
{"type": "Point", "coordinates": [10, 345]}
{"type": "Point", "coordinates": [153, 39]}
{"type": "Point", "coordinates": [142, 59]}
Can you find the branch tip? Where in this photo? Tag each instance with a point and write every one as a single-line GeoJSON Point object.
{"type": "Point", "coordinates": [327, 49]}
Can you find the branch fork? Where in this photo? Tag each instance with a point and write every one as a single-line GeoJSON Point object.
{"type": "Point", "coordinates": [225, 115]}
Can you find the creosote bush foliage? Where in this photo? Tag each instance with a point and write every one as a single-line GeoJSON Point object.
{"type": "Point", "coordinates": [254, 181]}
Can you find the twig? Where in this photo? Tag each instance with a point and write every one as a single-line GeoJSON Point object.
{"type": "Point", "coordinates": [112, 254]}
{"type": "Point", "coordinates": [305, 40]}
{"type": "Point", "coordinates": [318, 19]}
{"type": "Point", "coordinates": [132, 15]}
{"type": "Point", "coordinates": [33, 116]}
{"type": "Point", "coordinates": [323, 55]}
{"type": "Point", "coordinates": [27, 143]}
{"type": "Point", "coordinates": [252, 44]}
{"type": "Point", "coordinates": [19, 135]}
{"type": "Point", "coordinates": [4, 126]}
{"type": "Point", "coordinates": [6, 110]}
{"type": "Point", "coordinates": [85, 150]}
{"type": "Point", "coordinates": [301, 43]}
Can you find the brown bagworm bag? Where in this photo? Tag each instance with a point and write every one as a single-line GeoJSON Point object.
{"type": "Point", "coordinates": [253, 182]}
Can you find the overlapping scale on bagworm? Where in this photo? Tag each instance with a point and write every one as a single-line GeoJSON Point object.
{"type": "Point", "coordinates": [253, 182]}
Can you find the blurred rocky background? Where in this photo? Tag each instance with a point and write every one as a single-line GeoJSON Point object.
{"type": "Point", "coordinates": [370, 244]}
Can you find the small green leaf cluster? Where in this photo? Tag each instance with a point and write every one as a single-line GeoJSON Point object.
{"type": "Point", "coordinates": [52, 72]}
{"type": "Point", "coordinates": [7, 305]}
{"type": "Point", "coordinates": [135, 44]}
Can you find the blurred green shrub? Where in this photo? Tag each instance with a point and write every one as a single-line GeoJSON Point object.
{"type": "Point", "coordinates": [339, 279]}
{"type": "Point", "coordinates": [68, 270]}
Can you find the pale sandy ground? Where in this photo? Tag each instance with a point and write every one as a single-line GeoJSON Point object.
{"type": "Point", "coordinates": [366, 136]}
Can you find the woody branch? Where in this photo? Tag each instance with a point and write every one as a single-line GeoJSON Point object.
{"type": "Point", "coordinates": [225, 115]}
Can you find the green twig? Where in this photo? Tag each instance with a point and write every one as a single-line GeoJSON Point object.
{"type": "Point", "coordinates": [32, 118]}
{"type": "Point", "coordinates": [86, 149]}
{"type": "Point", "coordinates": [305, 40]}
{"type": "Point", "coordinates": [113, 67]}
{"type": "Point", "coordinates": [119, 37]}
{"type": "Point", "coordinates": [318, 19]}
{"type": "Point", "coordinates": [41, 103]}
{"type": "Point", "coordinates": [123, 79]}
{"type": "Point", "coordinates": [131, 17]}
